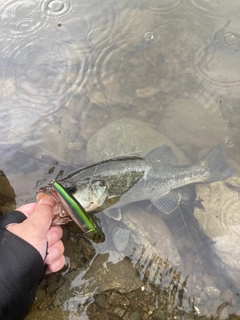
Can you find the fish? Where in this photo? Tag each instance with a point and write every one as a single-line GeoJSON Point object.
{"type": "Point", "coordinates": [110, 184]}
{"type": "Point", "coordinates": [67, 208]}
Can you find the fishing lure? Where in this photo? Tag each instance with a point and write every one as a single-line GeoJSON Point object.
{"type": "Point", "coordinates": [68, 208]}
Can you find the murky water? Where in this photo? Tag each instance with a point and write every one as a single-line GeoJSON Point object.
{"type": "Point", "coordinates": [85, 81]}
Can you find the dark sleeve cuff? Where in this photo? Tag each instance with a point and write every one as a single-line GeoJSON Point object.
{"type": "Point", "coordinates": [21, 269]}
{"type": "Point", "coordinates": [12, 217]}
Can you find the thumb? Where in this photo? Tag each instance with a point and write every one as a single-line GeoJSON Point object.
{"type": "Point", "coordinates": [42, 215]}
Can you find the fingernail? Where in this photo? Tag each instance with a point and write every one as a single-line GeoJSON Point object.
{"type": "Point", "coordinates": [46, 199]}
{"type": "Point", "coordinates": [40, 196]}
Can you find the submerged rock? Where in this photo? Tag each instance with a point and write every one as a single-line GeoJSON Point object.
{"type": "Point", "coordinates": [105, 275]}
{"type": "Point", "coordinates": [101, 276]}
{"type": "Point", "coordinates": [120, 238]}
{"type": "Point", "coordinates": [127, 136]}
{"type": "Point", "coordinates": [194, 126]}
{"type": "Point", "coordinates": [220, 220]}
{"type": "Point", "coordinates": [151, 235]}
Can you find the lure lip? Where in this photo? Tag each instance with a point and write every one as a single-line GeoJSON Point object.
{"type": "Point", "coordinates": [72, 209]}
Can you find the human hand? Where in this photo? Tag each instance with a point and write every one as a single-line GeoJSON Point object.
{"type": "Point", "coordinates": [37, 231]}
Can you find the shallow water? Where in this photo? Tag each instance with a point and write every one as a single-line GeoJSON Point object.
{"type": "Point", "coordinates": [69, 69]}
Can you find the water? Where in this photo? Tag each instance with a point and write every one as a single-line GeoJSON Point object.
{"type": "Point", "coordinates": [69, 69]}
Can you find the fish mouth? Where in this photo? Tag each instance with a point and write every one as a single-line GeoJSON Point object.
{"type": "Point", "coordinates": [67, 208]}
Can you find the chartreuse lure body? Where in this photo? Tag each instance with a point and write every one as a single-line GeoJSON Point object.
{"type": "Point", "coordinates": [77, 213]}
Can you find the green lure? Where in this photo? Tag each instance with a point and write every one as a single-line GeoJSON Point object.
{"type": "Point", "coordinates": [78, 214]}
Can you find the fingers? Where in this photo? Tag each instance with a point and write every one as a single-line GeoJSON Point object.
{"type": "Point", "coordinates": [27, 209]}
{"type": "Point", "coordinates": [37, 229]}
{"type": "Point", "coordinates": [55, 259]}
{"type": "Point", "coordinates": [56, 266]}
{"type": "Point", "coordinates": [42, 215]}
{"type": "Point", "coordinates": [54, 252]}
{"type": "Point", "coordinates": [54, 235]}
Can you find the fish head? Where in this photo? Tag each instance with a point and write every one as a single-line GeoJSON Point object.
{"type": "Point", "coordinates": [90, 195]}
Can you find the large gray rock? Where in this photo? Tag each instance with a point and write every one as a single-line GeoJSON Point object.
{"type": "Point", "coordinates": [126, 136]}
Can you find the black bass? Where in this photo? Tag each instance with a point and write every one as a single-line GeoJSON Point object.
{"type": "Point", "coordinates": [116, 182]}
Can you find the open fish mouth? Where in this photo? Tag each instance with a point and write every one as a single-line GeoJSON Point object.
{"type": "Point", "coordinates": [68, 209]}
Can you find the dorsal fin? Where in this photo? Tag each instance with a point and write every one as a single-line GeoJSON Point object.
{"type": "Point", "coordinates": [162, 154]}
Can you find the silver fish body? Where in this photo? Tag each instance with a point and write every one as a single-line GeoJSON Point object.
{"type": "Point", "coordinates": [119, 181]}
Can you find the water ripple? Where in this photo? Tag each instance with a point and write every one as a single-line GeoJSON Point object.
{"type": "Point", "coordinates": [121, 77]}
{"type": "Point", "coordinates": [227, 38]}
{"type": "Point", "coordinates": [216, 62]}
{"type": "Point", "coordinates": [149, 35]}
{"type": "Point", "coordinates": [220, 219]}
{"type": "Point", "coordinates": [21, 9]}
{"type": "Point", "coordinates": [164, 6]}
{"type": "Point", "coordinates": [56, 8]}
{"type": "Point", "coordinates": [77, 26]}
{"type": "Point", "coordinates": [24, 28]}
{"type": "Point", "coordinates": [47, 71]}
{"type": "Point", "coordinates": [101, 38]}
{"type": "Point", "coordinates": [210, 7]}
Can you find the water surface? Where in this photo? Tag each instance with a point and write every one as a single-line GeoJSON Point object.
{"type": "Point", "coordinates": [69, 69]}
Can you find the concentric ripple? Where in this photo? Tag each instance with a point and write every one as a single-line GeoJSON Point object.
{"type": "Point", "coordinates": [174, 34]}
{"type": "Point", "coordinates": [227, 38]}
{"type": "Point", "coordinates": [209, 7]}
{"type": "Point", "coordinates": [77, 26]}
{"type": "Point", "coordinates": [24, 28]}
{"type": "Point", "coordinates": [47, 71]}
{"type": "Point", "coordinates": [149, 35]}
{"type": "Point", "coordinates": [56, 8]}
{"type": "Point", "coordinates": [21, 9]}
{"type": "Point", "coordinates": [164, 6]}
{"type": "Point", "coordinates": [101, 38]}
{"type": "Point", "coordinates": [220, 219]}
{"type": "Point", "coordinates": [122, 77]}
{"type": "Point", "coordinates": [217, 62]}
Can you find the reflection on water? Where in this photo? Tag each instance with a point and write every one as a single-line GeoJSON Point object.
{"type": "Point", "coordinates": [83, 81]}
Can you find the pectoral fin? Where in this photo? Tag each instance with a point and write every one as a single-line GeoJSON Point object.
{"type": "Point", "coordinates": [167, 203]}
{"type": "Point", "coordinates": [114, 213]}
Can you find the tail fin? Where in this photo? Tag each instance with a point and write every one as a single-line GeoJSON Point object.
{"type": "Point", "coordinates": [216, 164]}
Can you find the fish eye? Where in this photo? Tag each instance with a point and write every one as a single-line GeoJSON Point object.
{"type": "Point", "coordinates": [70, 189]}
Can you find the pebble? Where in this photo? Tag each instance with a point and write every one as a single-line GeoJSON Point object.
{"type": "Point", "coordinates": [212, 292]}
{"type": "Point", "coordinates": [101, 300]}
{"type": "Point", "coordinates": [120, 237]}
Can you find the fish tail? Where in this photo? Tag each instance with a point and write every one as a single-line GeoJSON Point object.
{"type": "Point", "coordinates": [216, 164]}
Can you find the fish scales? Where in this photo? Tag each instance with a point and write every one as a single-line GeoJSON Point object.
{"type": "Point", "coordinates": [119, 181]}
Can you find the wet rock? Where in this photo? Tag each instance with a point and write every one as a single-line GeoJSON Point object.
{"type": "Point", "coordinates": [64, 293]}
{"type": "Point", "coordinates": [135, 315]}
{"type": "Point", "coordinates": [159, 315]}
{"type": "Point", "coordinates": [7, 195]}
{"type": "Point", "coordinates": [126, 136]}
{"type": "Point", "coordinates": [220, 219]}
{"type": "Point", "coordinates": [47, 314]}
{"type": "Point", "coordinates": [104, 275]}
{"type": "Point", "coordinates": [212, 292]}
{"type": "Point", "coordinates": [120, 238]}
{"type": "Point", "coordinates": [151, 235]}
{"type": "Point", "coordinates": [101, 300]}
